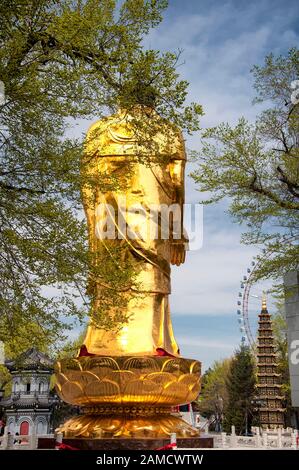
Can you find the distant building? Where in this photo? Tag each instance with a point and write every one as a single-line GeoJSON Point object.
{"type": "Point", "coordinates": [270, 397]}
{"type": "Point", "coordinates": [291, 284]}
{"type": "Point", "coordinates": [28, 409]}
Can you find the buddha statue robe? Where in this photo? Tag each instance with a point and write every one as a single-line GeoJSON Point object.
{"type": "Point", "coordinates": [148, 177]}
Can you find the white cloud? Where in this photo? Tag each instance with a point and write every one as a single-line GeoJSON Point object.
{"type": "Point", "coordinates": [220, 44]}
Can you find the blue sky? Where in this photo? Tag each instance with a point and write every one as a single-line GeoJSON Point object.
{"type": "Point", "coordinates": [221, 41]}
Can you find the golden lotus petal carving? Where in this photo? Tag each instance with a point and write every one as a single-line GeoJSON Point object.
{"type": "Point", "coordinates": [127, 396]}
{"type": "Point", "coordinates": [99, 362]}
{"type": "Point", "coordinates": [141, 365]}
{"type": "Point", "coordinates": [87, 377]}
{"type": "Point", "coordinates": [142, 391]}
{"type": "Point", "coordinates": [162, 378]}
{"type": "Point", "coordinates": [124, 427]}
{"type": "Point", "coordinates": [61, 379]}
{"type": "Point", "coordinates": [188, 380]}
{"type": "Point", "coordinates": [72, 392]}
{"type": "Point", "coordinates": [195, 368]}
{"type": "Point", "coordinates": [69, 364]}
{"type": "Point", "coordinates": [176, 366]}
{"type": "Point", "coordinates": [121, 377]}
{"type": "Point", "coordinates": [129, 380]}
{"type": "Point", "coordinates": [105, 389]}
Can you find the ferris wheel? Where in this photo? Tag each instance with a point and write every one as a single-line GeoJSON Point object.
{"type": "Point", "coordinates": [242, 311]}
{"type": "Point", "coordinates": [245, 322]}
{"type": "Point", "coordinates": [247, 283]}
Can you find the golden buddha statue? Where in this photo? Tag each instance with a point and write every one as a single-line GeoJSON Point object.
{"type": "Point", "coordinates": [146, 181]}
{"type": "Point", "coordinates": [129, 386]}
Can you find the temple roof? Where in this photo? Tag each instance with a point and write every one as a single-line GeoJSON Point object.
{"type": "Point", "coordinates": [32, 401]}
{"type": "Point", "coordinates": [32, 359]}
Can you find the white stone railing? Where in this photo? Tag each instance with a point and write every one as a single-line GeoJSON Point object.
{"type": "Point", "coordinates": [266, 439]}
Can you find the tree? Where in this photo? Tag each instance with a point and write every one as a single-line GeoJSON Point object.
{"type": "Point", "coordinates": [71, 347]}
{"type": "Point", "coordinates": [240, 388]}
{"type": "Point", "coordinates": [61, 60]}
{"type": "Point", "coordinates": [256, 166]}
{"type": "Point", "coordinates": [213, 398]}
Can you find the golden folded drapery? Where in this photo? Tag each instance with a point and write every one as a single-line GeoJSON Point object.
{"type": "Point", "coordinates": [150, 194]}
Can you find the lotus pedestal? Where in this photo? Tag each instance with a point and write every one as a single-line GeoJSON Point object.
{"type": "Point", "coordinates": [125, 397]}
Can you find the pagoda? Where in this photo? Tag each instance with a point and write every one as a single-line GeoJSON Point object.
{"type": "Point", "coordinates": [28, 408]}
{"type": "Point", "coordinates": [269, 396]}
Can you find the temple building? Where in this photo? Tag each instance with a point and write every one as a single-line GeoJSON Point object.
{"type": "Point", "coordinates": [28, 408]}
{"type": "Point", "coordinates": [270, 397]}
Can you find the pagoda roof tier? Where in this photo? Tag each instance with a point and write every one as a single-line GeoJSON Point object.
{"type": "Point", "coordinates": [266, 354]}
{"type": "Point", "coordinates": [265, 364]}
{"type": "Point", "coordinates": [25, 406]}
{"type": "Point", "coordinates": [266, 403]}
{"type": "Point", "coordinates": [25, 403]}
{"type": "Point", "coordinates": [265, 337]}
{"type": "Point", "coordinates": [270, 364]}
{"type": "Point", "coordinates": [269, 336]}
{"type": "Point", "coordinates": [265, 345]}
{"type": "Point", "coordinates": [268, 374]}
{"type": "Point", "coordinates": [263, 354]}
{"type": "Point", "coordinates": [32, 359]}
{"type": "Point", "coordinates": [269, 385]}
{"type": "Point", "coordinates": [269, 355]}
{"type": "Point", "coordinates": [268, 410]}
{"type": "Point", "coordinates": [268, 346]}
{"type": "Point", "coordinates": [272, 397]}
